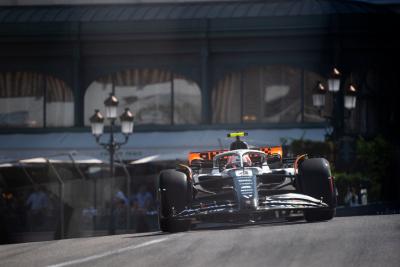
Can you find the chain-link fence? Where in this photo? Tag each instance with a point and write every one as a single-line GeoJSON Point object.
{"type": "Point", "coordinates": [72, 196]}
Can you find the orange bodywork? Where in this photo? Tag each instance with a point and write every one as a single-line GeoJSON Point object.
{"type": "Point", "coordinates": [298, 161]}
{"type": "Point", "coordinates": [272, 150]}
{"type": "Point", "coordinates": [209, 155]}
{"type": "Point", "coordinates": [186, 170]}
{"type": "Point", "coordinates": [206, 155]}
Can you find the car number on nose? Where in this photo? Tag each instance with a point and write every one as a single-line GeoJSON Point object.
{"type": "Point", "coordinates": [243, 173]}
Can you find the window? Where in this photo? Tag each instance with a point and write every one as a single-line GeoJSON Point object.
{"type": "Point", "coordinates": [267, 95]}
{"type": "Point", "coordinates": [281, 94]}
{"type": "Point", "coordinates": [187, 101]}
{"type": "Point", "coordinates": [155, 96]}
{"type": "Point", "coordinates": [29, 99]}
{"type": "Point", "coordinates": [226, 100]}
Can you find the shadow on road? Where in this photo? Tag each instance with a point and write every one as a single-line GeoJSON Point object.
{"type": "Point", "coordinates": [226, 226]}
{"type": "Point", "coordinates": [222, 226]}
{"type": "Point", "coordinates": [371, 209]}
{"type": "Point", "coordinates": [149, 234]}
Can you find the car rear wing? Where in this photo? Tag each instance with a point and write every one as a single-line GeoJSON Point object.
{"type": "Point", "coordinates": [206, 157]}
{"type": "Point", "coordinates": [272, 150]}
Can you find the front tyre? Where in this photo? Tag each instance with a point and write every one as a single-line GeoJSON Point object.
{"type": "Point", "coordinates": [315, 180]}
{"type": "Point", "coordinates": [174, 196]}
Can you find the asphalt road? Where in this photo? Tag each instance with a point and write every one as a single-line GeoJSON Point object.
{"type": "Point", "coordinates": [345, 241]}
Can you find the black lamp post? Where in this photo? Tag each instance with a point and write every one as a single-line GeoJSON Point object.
{"type": "Point", "coordinates": [342, 100]}
{"type": "Point", "coordinates": [97, 125]}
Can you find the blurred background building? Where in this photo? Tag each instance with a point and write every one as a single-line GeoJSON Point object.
{"type": "Point", "coordinates": [190, 71]}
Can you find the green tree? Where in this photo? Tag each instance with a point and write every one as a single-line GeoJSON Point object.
{"type": "Point", "coordinates": [374, 158]}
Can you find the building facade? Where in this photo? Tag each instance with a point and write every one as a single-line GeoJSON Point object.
{"type": "Point", "coordinates": [250, 64]}
{"type": "Point", "coordinates": [190, 71]}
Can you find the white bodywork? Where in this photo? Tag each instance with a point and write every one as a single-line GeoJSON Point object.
{"type": "Point", "coordinates": [218, 171]}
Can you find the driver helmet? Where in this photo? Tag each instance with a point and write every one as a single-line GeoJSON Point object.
{"type": "Point", "coordinates": [233, 161]}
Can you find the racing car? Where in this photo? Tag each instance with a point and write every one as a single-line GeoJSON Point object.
{"type": "Point", "coordinates": [244, 184]}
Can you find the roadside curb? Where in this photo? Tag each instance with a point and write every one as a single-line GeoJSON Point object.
{"type": "Point", "coordinates": [370, 209]}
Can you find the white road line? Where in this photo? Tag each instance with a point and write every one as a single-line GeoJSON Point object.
{"type": "Point", "coordinates": [109, 253]}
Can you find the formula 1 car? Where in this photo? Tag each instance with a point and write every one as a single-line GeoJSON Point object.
{"type": "Point", "coordinates": [243, 184]}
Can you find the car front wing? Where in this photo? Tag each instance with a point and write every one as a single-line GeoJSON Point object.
{"type": "Point", "coordinates": [281, 202]}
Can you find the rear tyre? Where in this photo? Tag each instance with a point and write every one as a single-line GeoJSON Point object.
{"type": "Point", "coordinates": [317, 216]}
{"type": "Point", "coordinates": [315, 180]}
{"type": "Point", "coordinates": [174, 196]}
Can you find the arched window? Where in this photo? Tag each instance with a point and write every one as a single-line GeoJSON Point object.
{"type": "Point", "coordinates": [263, 95]}
{"type": "Point", "coordinates": [155, 96]}
{"type": "Point", "coordinates": [273, 94]}
{"type": "Point", "coordinates": [30, 99]}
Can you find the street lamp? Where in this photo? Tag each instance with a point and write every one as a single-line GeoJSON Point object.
{"type": "Point", "coordinates": [111, 104]}
{"type": "Point", "coordinates": [350, 97]}
{"type": "Point", "coordinates": [334, 81]}
{"type": "Point", "coordinates": [126, 122]}
{"type": "Point", "coordinates": [97, 125]}
{"type": "Point", "coordinates": [346, 99]}
{"type": "Point", "coordinates": [319, 96]}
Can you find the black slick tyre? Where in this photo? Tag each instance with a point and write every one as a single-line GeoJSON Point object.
{"type": "Point", "coordinates": [315, 180]}
{"type": "Point", "coordinates": [174, 196]}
